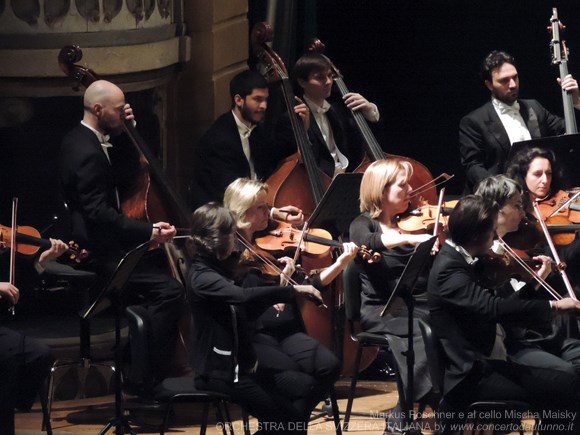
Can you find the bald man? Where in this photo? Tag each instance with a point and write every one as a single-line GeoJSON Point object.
{"type": "Point", "coordinates": [89, 168]}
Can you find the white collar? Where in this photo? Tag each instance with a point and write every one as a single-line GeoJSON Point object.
{"type": "Point", "coordinates": [103, 138]}
{"type": "Point", "coordinates": [466, 255]}
{"type": "Point", "coordinates": [315, 107]}
{"type": "Point", "coordinates": [243, 129]}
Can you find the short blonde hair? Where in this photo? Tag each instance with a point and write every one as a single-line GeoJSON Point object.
{"type": "Point", "coordinates": [378, 176]}
{"type": "Point", "coordinates": [241, 195]}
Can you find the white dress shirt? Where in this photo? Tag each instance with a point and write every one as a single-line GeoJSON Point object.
{"type": "Point", "coordinates": [245, 133]}
{"type": "Point", "coordinates": [512, 120]}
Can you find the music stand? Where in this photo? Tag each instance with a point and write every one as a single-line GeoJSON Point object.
{"type": "Point", "coordinates": [566, 148]}
{"type": "Point", "coordinates": [404, 289]}
{"type": "Point", "coordinates": [111, 295]}
{"type": "Point", "coordinates": [339, 205]}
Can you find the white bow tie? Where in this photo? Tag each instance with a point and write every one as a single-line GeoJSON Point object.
{"type": "Point", "coordinates": [512, 110]}
{"type": "Point", "coordinates": [104, 138]}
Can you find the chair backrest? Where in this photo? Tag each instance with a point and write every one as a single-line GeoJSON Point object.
{"type": "Point", "coordinates": [352, 291]}
{"type": "Point", "coordinates": [138, 377]}
{"type": "Point", "coordinates": [435, 357]}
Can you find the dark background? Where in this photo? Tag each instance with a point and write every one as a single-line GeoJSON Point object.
{"type": "Point", "coordinates": [419, 61]}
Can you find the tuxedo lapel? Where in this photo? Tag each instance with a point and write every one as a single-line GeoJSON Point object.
{"type": "Point", "coordinates": [496, 128]}
{"type": "Point", "coordinates": [530, 119]}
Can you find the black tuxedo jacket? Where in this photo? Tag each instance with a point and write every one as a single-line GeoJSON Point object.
{"type": "Point", "coordinates": [219, 159]}
{"type": "Point", "coordinates": [464, 315]}
{"type": "Point", "coordinates": [89, 189]}
{"type": "Point", "coordinates": [484, 144]}
{"type": "Point", "coordinates": [346, 136]}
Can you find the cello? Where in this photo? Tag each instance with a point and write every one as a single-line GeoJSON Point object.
{"type": "Point", "coordinates": [422, 180]}
{"type": "Point", "coordinates": [287, 186]}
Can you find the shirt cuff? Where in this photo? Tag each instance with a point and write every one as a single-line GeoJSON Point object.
{"type": "Point", "coordinates": [373, 115]}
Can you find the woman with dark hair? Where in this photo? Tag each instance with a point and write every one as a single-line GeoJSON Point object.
{"type": "Point", "coordinates": [536, 171]}
{"type": "Point", "coordinates": [223, 357]}
{"type": "Point", "coordinates": [465, 317]}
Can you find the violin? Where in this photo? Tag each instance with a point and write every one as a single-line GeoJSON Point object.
{"type": "Point", "coordinates": [423, 218]}
{"type": "Point", "coordinates": [314, 241]}
{"type": "Point", "coordinates": [28, 242]}
{"type": "Point", "coordinates": [561, 215]}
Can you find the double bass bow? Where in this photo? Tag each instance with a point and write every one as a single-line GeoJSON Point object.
{"type": "Point", "coordinates": [422, 181]}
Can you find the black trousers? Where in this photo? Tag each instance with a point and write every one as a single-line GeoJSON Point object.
{"type": "Point", "coordinates": [151, 286]}
{"type": "Point", "coordinates": [24, 365]}
{"type": "Point", "coordinates": [293, 375]}
{"type": "Point", "coordinates": [553, 394]}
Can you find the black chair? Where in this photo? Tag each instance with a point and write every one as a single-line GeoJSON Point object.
{"type": "Point", "coordinates": [138, 380]}
{"type": "Point", "coordinates": [79, 283]}
{"type": "Point", "coordinates": [352, 304]}
{"type": "Point", "coordinates": [483, 411]}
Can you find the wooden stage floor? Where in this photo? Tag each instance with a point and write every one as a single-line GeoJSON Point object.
{"type": "Point", "coordinates": [88, 416]}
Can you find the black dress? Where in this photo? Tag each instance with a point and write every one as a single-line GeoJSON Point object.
{"type": "Point", "coordinates": [378, 281]}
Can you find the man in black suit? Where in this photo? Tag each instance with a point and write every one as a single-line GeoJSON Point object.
{"type": "Point", "coordinates": [237, 144]}
{"type": "Point", "coordinates": [88, 173]}
{"type": "Point", "coordinates": [487, 133]}
{"type": "Point", "coordinates": [336, 141]}
{"type": "Point", "coordinates": [465, 317]}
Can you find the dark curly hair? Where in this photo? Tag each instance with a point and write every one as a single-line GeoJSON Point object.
{"type": "Point", "coordinates": [519, 164]}
{"type": "Point", "coordinates": [493, 60]}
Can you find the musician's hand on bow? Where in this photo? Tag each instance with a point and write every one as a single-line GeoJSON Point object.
{"type": "Point", "coordinates": [279, 308]}
{"type": "Point", "coordinates": [309, 292]}
{"type": "Point", "coordinates": [303, 112]}
{"type": "Point", "coordinates": [566, 305]}
{"type": "Point", "coordinates": [545, 266]}
{"type": "Point", "coordinates": [9, 292]}
{"type": "Point", "coordinates": [288, 271]}
{"type": "Point", "coordinates": [57, 248]}
{"type": "Point", "coordinates": [356, 102]}
{"type": "Point", "coordinates": [570, 85]}
{"type": "Point", "coordinates": [163, 232]}
{"type": "Point", "coordinates": [289, 213]}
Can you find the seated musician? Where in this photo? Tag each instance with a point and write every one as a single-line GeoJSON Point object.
{"type": "Point", "coordinates": [237, 143]}
{"type": "Point", "coordinates": [89, 169]}
{"type": "Point", "coordinates": [336, 142]}
{"type": "Point", "coordinates": [280, 341]}
{"type": "Point", "coordinates": [464, 316]}
{"type": "Point", "coordinates": [384, 194]}
{"type": "Point", "coordinates": [25, 362]}
{"type": "Point", "coordinates": [536, 171]}
{"type": "Point", "coordinates": [543, 345]}
{"type": "Point", "coordinates": [224, 359]}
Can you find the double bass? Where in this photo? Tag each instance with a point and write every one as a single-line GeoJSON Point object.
{"type": "Point", "coordinates": [149, 198]}
{"type": "Point", "coordinates": [300, 182]}
{"type": "Point", "coordinates": [421, 180]}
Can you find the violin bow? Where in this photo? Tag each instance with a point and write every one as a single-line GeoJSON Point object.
{"type": "Point", "coordinates": [264, 260]}
{"type": "Point", "coordinates": [566, 204]}
{"type": "Point", "coordinates": [444, 177]}
{"type": "Point", "coordinates": [561, 266]}
{"type": "Point", "coordinates": [507, 248]}
{"type": "Point", "coordinates": [12, 274]}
